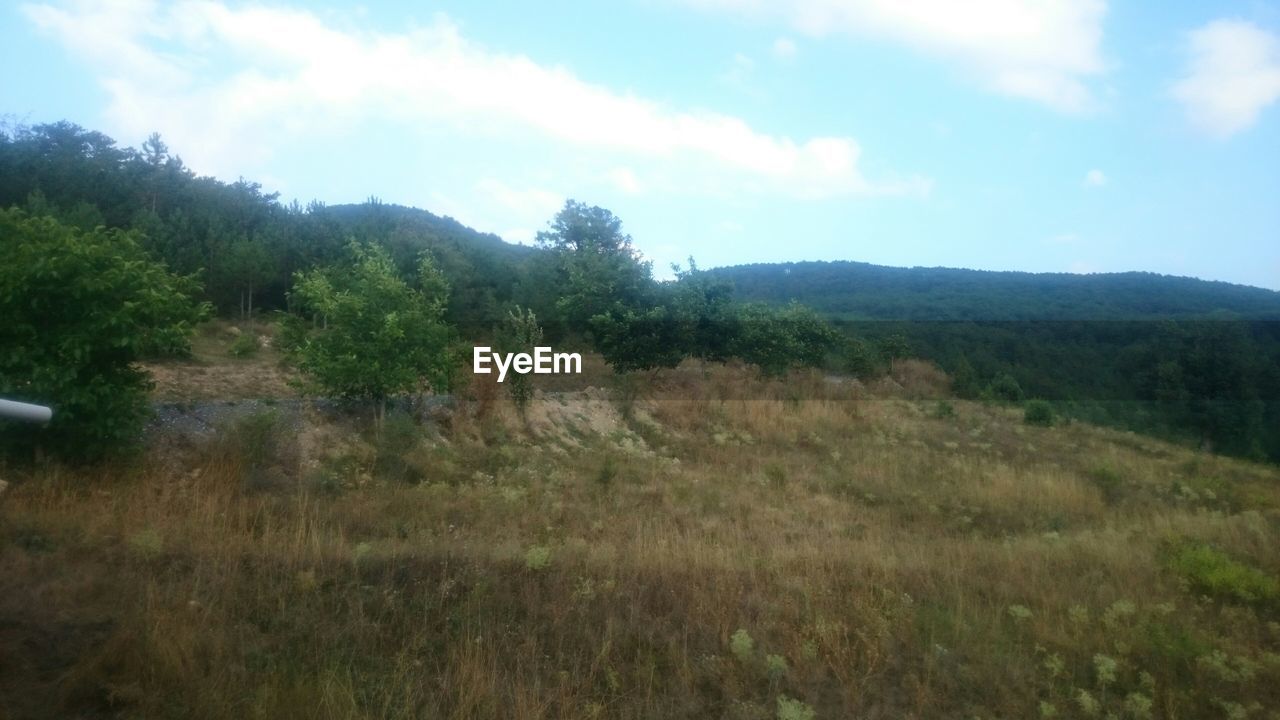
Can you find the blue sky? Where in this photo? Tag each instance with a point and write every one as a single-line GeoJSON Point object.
{"type": "Point", "coordinates": [1040, 135]}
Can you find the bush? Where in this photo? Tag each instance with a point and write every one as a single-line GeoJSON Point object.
{"type": "Point", "coordinates": [537, 558]}
{"type": "Point", "coordinates": [859, 359]}
{"type": "Point", "coordinates": [1004, 388]}
{"type": "Point", "coordinates": [394, 443]}
{"type": "Point", "coordinates": [789, 709]}
{"type": "Point", "coordinates": [1108, 481]}
{"type": "Point", "coordinates": [943, 410]}
{"type": "Point", "coordinates": [369, 335]}
{"type": "Point", "coordinates": [1213, 573]}
{"type": "Point", "coordinates": [520, 333]}
{"type": "Point", "coordinates": [79, 309]}
{"type": "Point", "coordinates": [742, 645]}
{"type": "Point", "coordinates": [1038, 412]}
{"type": "Point", "coordinates": [245, 345]}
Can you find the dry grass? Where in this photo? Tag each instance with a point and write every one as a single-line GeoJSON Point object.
{"type": "Point", "coordinates": [595, 561]}
{"type": "Point", "coordinates": [213, 372]}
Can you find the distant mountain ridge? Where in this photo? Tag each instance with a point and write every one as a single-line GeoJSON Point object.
{"type": "Point", "coordinates": [862, 291]}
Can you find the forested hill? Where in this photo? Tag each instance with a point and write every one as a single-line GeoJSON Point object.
{"type": "Point", "coordinates": [862, 291]}
{"type": "Point", "coordinates": [243, 243]}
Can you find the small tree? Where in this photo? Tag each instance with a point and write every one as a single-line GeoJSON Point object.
{"type": "Point", "coordinates": [371, 336]}
{"type": "Point", "coordinates": [1004, 388]}
{"type": "Point", "coordinates": [520, 333]}
{"type": "Point", "coordinates": [79, 309]}
{"type": "Point", "coordinates": [859, 360]}
{"type": "Point", "coordinates": [894, 347]}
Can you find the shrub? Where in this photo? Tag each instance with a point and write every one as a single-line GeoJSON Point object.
{"type": "Point", "coordinates": [256, 441]}
{"type": "Point", "coordinates": [1108, 481]}
{"type": "Point", "coordinates": [608, 471]}
{"type": "Point", "coordinates": [520, 334]}
{"type": "Point", "coordinates": [245, 345]}
{"type": "Point", "coordinates": [369, 335]}
{"type": "Point", "coordinates": [776, 667]}
{"type": "Point", "coordinates": [537, 558]}
{"type": "Point", "coordinates": [859, 359]}
{"type": "Point", "coordinates": [943, 410]}
{"type": "Point", "coordinates": [1004, 388]}
{"type": "Point", "coordinates": [1038, 412]}
{"type": "Point", "coordinates": [789, 709]}
{"type": "Point", "coordinates": [79, 309]}
{"type": "Point", "coordinates": [394, 443]}
{"type": "Point", "coordinates": [1213, 573]}
{"type": "Point", "coordinates": [741, 645]}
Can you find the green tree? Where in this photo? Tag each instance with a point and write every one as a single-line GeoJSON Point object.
{"type": "Point", "coordinates": [520, 333]}
{"type": "Point", "coordinates": [370, 336]}
{"type": "Point", "coordinates": [631, 339]}
{"type": "Point", "coordinates": [249, 265]}
{"type": "Point", "coordinates": [859, 360]}
{"type": "Point", "coordinates": [598, 269]}
{"type": "Point", "coordinates": [80, 308]}
{"type": "Point", "coordinates": [894, 347]}
{"type": "Point", "coordinates": [777, 340]}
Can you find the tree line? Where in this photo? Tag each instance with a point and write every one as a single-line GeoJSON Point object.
{"type": "Point", "coordinates": [1173, 356]}
{"type": "Point", "coordinates": [375, 300]}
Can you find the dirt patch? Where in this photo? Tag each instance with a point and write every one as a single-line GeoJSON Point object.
{"type": "Point", "coordinates": [195, 380]}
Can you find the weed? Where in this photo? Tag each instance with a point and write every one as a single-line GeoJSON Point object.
{"type": "Point", "coordinates": [789, 709]}
{"type": "Point", "coordinates": [1108, 482]}
{"type": "Point", "coordinates": [394, 444]}
{"type": "Point", "coordinates": [742, 646]}
{"type": "Point", "coordinates": [537, 558]}
{"type": "Point", "coordinates": [608, 471]}
{"type": "Point", "coordinates": [776, 667]}
{"type": "Point", "coordinates": [1212, 572]}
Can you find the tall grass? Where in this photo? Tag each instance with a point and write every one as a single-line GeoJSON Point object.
{"type": "Point", "coordinates": [882, 561]}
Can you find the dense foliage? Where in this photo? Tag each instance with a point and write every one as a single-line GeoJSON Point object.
{"type": "Point", "coordinates": [1182, 358]}
{"type": "Point", "coordinates": [861, 291]}
{"type": "Point", "coordinates": [79, 308]}
{"type": "Point", "coordinates": [362, 333]}
{"type": "Point", "coordinates": [1175, 356]}
{"type": "Point", "coordinates": [246, 245]}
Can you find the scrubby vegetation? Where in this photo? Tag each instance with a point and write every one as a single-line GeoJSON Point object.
{"type": "Point", "coordinates": [736, 511]}
{"type": "Point", "coordinates": [728, 551]}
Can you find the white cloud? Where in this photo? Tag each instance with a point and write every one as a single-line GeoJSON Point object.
{"type": "Point", "coordinates": [784, 48]}
{"type": "Point", "coordinates": [1095, 178]}
{"type": "Point", "coordinates": [225, 83]}
{"type": "Point", "coordinates": [1233, 74]}
{"type": "Point", "coordinates": [1042, 50]}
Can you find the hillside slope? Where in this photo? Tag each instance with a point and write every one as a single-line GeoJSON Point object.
{"type": "Point", "coordinates": [718, 547]}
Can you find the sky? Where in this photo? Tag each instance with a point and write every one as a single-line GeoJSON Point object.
{"type": "Point", "coordinates": [1038, 135]}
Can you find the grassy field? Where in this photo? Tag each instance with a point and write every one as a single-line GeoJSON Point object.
{"type": "Point", "coordinates": [707, 546]}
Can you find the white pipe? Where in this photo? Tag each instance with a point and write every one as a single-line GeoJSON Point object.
{"type": "Point", "coordinates": [24, 411]}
